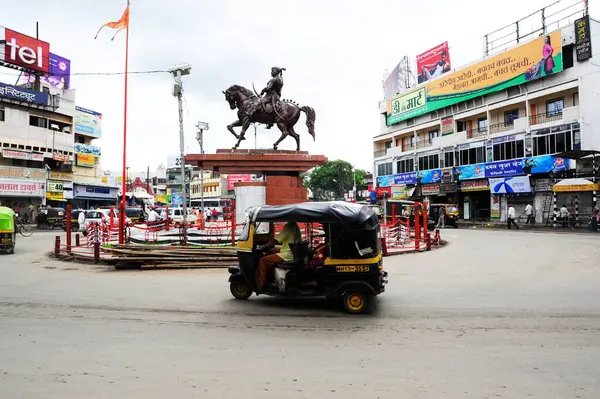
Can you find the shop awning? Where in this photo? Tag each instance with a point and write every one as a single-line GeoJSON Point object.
{"type": "Point", "coordinates": [577, 154]}
{"type": "Point", "coordinates": [574, 185]}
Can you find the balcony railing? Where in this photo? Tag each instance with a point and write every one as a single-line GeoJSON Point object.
{"type": "Point", "coordinates": [502, 127]}
{"type": "Point", "coordinates": [545, 117]}
{"type": "Point", "coordinates": [423, 143]}
{"type": "Point", "coordinates": [477, 132]}
{"type": "Point", "coordinates": [380, 153]}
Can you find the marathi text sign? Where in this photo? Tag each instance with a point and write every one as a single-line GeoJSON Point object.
{"type": "Point", "coordinates": [533, 60]}
{"type": "Point", "coordinates": [24, 155]}
{"type": "Point", "coordinates": [22, 94]}
{"type": "Point", "coordinates": [88, 122]}
{"type": "Point", "coordinates": [583, 39]}
{"type": "Point", "coordinates": [521, 166]}
{"type": "Point", "coordinates": [22, 188]}
{"type": "Point", "coordinates": [17, 172]}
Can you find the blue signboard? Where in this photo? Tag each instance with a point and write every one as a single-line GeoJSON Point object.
{"type": "Point", "coordinates": [22, 94]}
{"type": "Point", "coordinates": [504, 168]}
{"type": "Point", "coordinates": [430, 176]}
{"type": "Point", "coordinates": [177, 199]}
{"type": "Point", "coordinates": [385, 181]}
{"type": "Point", "coordinates": [406, 178]}
{"type": "Point", "coordinates": [468, 172]}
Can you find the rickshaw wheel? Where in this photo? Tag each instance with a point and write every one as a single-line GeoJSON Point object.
{"type": "Point", "coordinates": [356, 302]}
{"type": "Point", "coordinates": [240, 290]}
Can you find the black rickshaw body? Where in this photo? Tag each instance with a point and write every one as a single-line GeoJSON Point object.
{"type": "Point", "coordinates": [348, 267]}
{"type": "Point", "coordinates": [451, 213]}
{"type": "Point", "coordinates": [51, 218]}
{"type": "Point", "coordinates": [134, 214]}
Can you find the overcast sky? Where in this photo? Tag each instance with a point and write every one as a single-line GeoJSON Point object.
{"type": "Point", "coordinates": [335, 53]}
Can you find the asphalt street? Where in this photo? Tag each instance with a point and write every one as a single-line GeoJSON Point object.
{"type": "Point", "coordinates": [493, 314]}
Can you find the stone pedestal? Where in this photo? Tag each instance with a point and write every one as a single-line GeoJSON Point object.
{"type": "Point", "coordinates": [282, 169]}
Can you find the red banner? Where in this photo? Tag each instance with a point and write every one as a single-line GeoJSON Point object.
{"type": "Point", "coordinates": [380, 191]}
{"type": "Point", "coordinates": [25, 51]}
{"type": "Point", "coordinates": [433, 63]}
{"type": "Point", "coordinates": [235, 179]}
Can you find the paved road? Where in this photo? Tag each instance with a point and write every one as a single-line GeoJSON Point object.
{"type": "Point", "coordinates": [494, 314]}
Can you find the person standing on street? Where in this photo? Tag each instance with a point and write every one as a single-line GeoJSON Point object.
{"type": "Point", "coordinates": [511, 217]}
{"type": "Point", "coordinates": [564, 216]}
{"type": "Point", "coordinates": [529, 214]}
{"type": "Point", "coordinates": [441, 222]}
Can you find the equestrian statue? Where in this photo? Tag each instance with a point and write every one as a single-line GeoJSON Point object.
{"type": "Point", "coordinates": [267, 108]}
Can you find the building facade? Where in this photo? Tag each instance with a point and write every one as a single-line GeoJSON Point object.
{"type": "Point", "coordinates": [488, 134]}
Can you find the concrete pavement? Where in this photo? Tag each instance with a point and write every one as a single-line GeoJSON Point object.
{"type": "Point", "coordinates": [493, 314]}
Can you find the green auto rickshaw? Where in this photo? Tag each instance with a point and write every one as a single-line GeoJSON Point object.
{"type": "Point", "coordinates": [7, 230]}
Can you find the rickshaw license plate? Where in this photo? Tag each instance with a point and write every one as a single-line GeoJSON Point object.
{"type": "Point", "coordinates": [352, 269]}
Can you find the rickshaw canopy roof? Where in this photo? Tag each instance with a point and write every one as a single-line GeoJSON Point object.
{"type": "Point", "coordinates": [7, 221]}
{"type": "Point", "coordinates": [352, 216]}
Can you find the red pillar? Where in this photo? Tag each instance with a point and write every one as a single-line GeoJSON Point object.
{"type": "Point", "coordinates": [68, 226]}
{"type": "Point", "coordinates": [57, 246]}
{"type": "Point", "coordinates": [417, 226]}
{"type": "Point", "coordinates": [393, 214]}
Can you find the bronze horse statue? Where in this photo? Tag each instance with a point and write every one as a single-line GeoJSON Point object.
{"type": "Point", "coordinates": [285, 117]}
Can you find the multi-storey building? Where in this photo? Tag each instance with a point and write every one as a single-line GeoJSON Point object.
{"type": "Point", "coordinates": [487, 134]}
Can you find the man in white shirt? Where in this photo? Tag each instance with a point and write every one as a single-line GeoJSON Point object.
{"type": "Point", "coordinates": [81, 220]}
{"type": "Point", "coordinates": [529, 214]}
{"type": "Point", "coordinates": [564, 216]}
{"type": "Point", "coordinates": [153, 216]}
{"type": "Point", "coordinates": [511, 217]}
{"type": "Point", "coordinates": [289, 235]}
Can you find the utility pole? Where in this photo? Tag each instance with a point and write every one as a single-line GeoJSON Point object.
{"type": "Point", "coordinates": [177, 73]}
{"type": "Point", "coordinates": [201, 126]}
{"type": "Point", "coordinates": [148, 180]}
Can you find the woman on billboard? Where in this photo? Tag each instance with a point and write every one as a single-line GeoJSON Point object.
{"type": "Point", "coordinates": [547, 52]}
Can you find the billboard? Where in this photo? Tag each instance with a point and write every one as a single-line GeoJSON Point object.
{"type": "Point", "coordinates": [236, 179]}
{"type": "Point", "coordinates": [22, 188]}
{"type": "Point", "coordinates": [58, 77]}
{"type": "Point", "coordinates": [24, 51]}
{"type": "Point", "coordinates": [533, 60]}
{"type": "Point", "coordinates": [87, 149]}
{"type": "Point", "coordinates": [521, 166]}
{"type": "Point", "coordinates": [510, 185]}
{"type": "Point", "coordinates": [86, 160]}
{"type": "Point", "coordinates": [88, 122]}
{"type": "Point", "coordinates": [395, 83]}
{"type": "Point", "coordinates": [433, 63]}
{"type": "Point", "coordinates": [22, 94]}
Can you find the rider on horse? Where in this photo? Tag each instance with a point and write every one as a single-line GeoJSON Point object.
{"type": "Point", "coordinates": [272, 94]}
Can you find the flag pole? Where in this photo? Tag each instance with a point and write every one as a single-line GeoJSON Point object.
{"type": "Point", "coordinates": [124, 171]}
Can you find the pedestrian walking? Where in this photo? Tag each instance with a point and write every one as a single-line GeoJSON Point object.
{"type": "Point", "coordinates": [564, 216]}
{"type": "Point", "coordinates": [511, 217]}
{"type": "Point", "coordinates": [529, 214]}
{"type": "Point", "coordinates": [441, 222]}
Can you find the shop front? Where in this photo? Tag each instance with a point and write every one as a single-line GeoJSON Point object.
{"type": "Point", "coordinates": [90, 197]}
{"type": "Point", "coordinates": [474, 199]}
{"type": "Point", "coordinates": [22, 195]}
{"type": "Point", "coordinates": [510, 190]}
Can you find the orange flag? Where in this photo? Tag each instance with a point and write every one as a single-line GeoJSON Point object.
{"type": "Point", "coordinates": [121, 24]}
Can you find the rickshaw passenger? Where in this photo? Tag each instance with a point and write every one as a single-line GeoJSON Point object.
{"type": "Point", "coordinates": [289, 235]}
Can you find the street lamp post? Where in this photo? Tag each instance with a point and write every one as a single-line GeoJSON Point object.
{"type": "Point", "coordinates": [201, 126]}
{"type": "Point", "coordinates": [178, 72]}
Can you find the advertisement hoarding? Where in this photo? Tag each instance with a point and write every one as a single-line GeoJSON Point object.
{"type": "Point", "coordinates": [521, 166]}
{"type": "Point", "coordinates": [495, 206]}
{"type": "Point", "coordinates": [399, 192]}
{"type": "Point", "coordinates": [583, 39]}
{"type": "Point", "coordinates": [237, 178]}
{"type": "Point", "coordinates": [54, 186]}
{"type": "Point", "coordinates": [59, 76]}
{"type": "Point", "coordinates": [17, 172]}
{"type": "Point", "coordinates": [433, 63]}
{"type": "Point", "coordinates": [510, 185]}
{"type": "Point", "coordinates": [24, 155]}
{"type": "Point", "coordinates": [475, 185]}
{"type": "Point", "coordinates": [87, 149]}
{"type": "Point", "coordinates": [22, 188]}
{"type": "Point", "coordinates": [24, 51]}
{"type": "Point", "coordinates": [395, 82]}
{"type": "Point", "coordinates": [86, 160]}
{"type": "Point", "coordinates": [22, 94]}
{"type": "Point", "coordinates": [58, 175]}
{"type": "Point", "coordinates": [533, 60]}
{"type": "Point", "coordinates": [88, 122]}
{"type": "Point", "coordinates": [447, 126]}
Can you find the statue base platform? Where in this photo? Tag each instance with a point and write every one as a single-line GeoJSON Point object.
{"type": "Point", "coordinates": [283, 184]}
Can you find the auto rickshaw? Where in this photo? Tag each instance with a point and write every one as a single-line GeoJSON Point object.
{"type": "Point", "coordinates": [134, 214]}
{"type": "Point", "coordinates": [50, 218]}
{"type": "Point", "coordinates": [74, 220]}
{"type": "Point", "coordinates": [451, 213]}
{"type": "Point", "coordinates": [347, 267]}
{"type": "Point", "coordinates": [8, 233]}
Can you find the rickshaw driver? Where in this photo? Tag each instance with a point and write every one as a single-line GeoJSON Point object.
{"type": "Point", "coordinates": [289, 235]}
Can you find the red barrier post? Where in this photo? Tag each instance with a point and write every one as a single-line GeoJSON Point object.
{"type": "Point", "coordinates": [96, 252]}
{"type": "Point", "coordinates": [57, 246]}
{"type": "Point", "coordinates": [384, 246]}
{"type": "Point", "coordinates": [112, 217]}
{"type": "Point", "coordinates": [417, 226]}
{"type": "Point", "coordinates": [425, 227]}
{"type": "Point", "coordinates": [167, 221]}
{"type": "Point", "coordinates": [68, 227]}
{"type": "Point", "coordinates": [77, 240]}
{"type": "Point", "coordinates": [393, 214]}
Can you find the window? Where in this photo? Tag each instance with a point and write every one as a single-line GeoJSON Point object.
{"type": "Point", "coordinates": [510, 116]}
{"type": "Point", "coordinates": [384, 169]}
{"type": "Point", "coordinates": [448, 158]}
{"type": "Point", "coordinates": [405, 165]}
{"type": "Point", "coordinates": [2, 115]}
{"type": "Point", "coordinates": [554, 107]}
{"type": "Point", "coordinates": [513, 91]}
{"type": "Point", "coordinates": [461, 126]}
{"type": "Point", "coordinates": [37, 121]}
{"type": "Point", "coordinates": [482, 125]}
{"type": "Point", "coordinates": [567, 54]}
{"type": "Point", "coordinates": [429, 162]}
{"type": "Point", "coordinates": [469, 156]}
{"type": "Point", "coordinates": [509, 150]}
{"type": "Point", "coordinates": [433, 134]}
{"type": "Point", "coordinates": [553, 143]}
{"type": "Point", "coordinates": [388, 144]}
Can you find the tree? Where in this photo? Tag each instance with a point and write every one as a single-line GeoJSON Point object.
{"type": "Point", "coordinates": [331, 180]}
